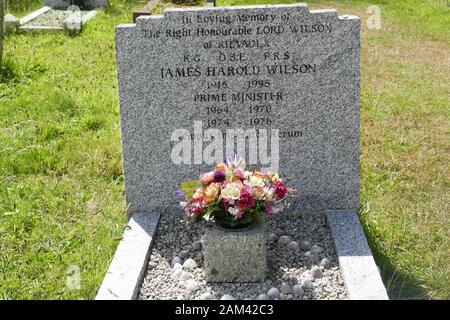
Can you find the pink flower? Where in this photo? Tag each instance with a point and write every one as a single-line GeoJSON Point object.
{"type": "Point", "coordinates": [246, 200]}
{"type": "Point", "coordinates": [236, 213]}
{"type": "Point", "coordinates": [268, 208]}
{"type": "Point", "coordinates": [239, 173]}
{"type": "Point", "coordinates": [280, 190]}
{"type": "Point", "coordinates": [207, 178]}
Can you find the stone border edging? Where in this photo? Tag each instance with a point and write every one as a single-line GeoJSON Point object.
{"type": "Point", "coordinates": [129, 263]}
{"type": "Point", "coordinates": [34, 15]}
{"type": "Point", "coordinates": [360, 273]}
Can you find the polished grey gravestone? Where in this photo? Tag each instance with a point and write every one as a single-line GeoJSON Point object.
{"type": "Point", "coordinates": [284, 77]}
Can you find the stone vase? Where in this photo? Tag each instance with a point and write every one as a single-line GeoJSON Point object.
{"type": "Point", "coordinates": [235, 255]}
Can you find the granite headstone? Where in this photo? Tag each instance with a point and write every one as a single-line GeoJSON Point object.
{"type": "Point", "coordinates": [283, 77]}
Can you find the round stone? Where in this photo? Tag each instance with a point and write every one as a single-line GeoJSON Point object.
{"type": "Point", "coordinates": [316, 273]}
{"type": "Point", "coordinates": [199, 256]}
{"type": "Point", "coordinates": [284, 240]}
{"type": "Point", "coordinates": [297, 290]}
{"type": "Point", "coordinates": [190, 264]}
{"type": "Point", "coordinates": [285, 288]}
{"type": "Point", "coordinates": [183, 254]}
{"type": "Point", "coordinates": [263, 297]}
{"type": "Point", "coordinates": [180, 275]}
{"type": "Point", "coordinates": [176, 260]}
{"type": "Point", "coordinates": [273, 293]}
{"type": "Point", "coordinates": [206, 296]}
{"type": "Point", "coordinates": [197, 245]}
{"type": "Point", "coordinates": [307, 254]}
{"type": "Point", "coordinates": [314, 259]}
{"type": "Point", "coordinates": [293, 245]}
{"type": "Point", "coordinates": [307, 284]}
{"type": "Point", "coordinates": [227, 297]}
{"type": "Point", "coordinates": [192, 285]}
{"type": "Point", "coordinates": [325, 262]}
{"type": "Point", "coordinates": [273, 237]}
{"type": "Point", "coordinates": [177, 266]}
{"type": "Point", "coordinates": [315, 249]}
{"type": "Point", "coordinates": [305, 245]}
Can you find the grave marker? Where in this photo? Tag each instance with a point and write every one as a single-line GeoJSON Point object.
{"type": "Point", "coordinates": [284, 78]}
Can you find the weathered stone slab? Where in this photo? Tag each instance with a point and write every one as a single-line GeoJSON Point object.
{"type": "Point", "coordinates": [34, 15]}
{"type": "Point", "coordinates": [128, 265]}
{"type": "Point", "coordinates": [358, 268]}
{"type": "Point", "coordinates": [287, 77]}
{"type": "Point", "coordinates": [11, 23]}
{"type": "Point", "coordinates": [235, 256]}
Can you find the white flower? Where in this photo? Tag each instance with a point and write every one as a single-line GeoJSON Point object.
{"type": "Point", "coordinates": [231, 192]}
{"type": "Point", "coordinates": [256, 182]}
{"type": "Point", "coordinates": [269, 194]}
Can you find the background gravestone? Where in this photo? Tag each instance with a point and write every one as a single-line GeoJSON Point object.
{"type": "Point", "coordinates": [294, 70]}
{"type": "Point", "coordinates": [84, 4]}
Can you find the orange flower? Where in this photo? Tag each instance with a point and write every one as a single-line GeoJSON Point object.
{"type": "Point", "coordinates": [258, 174]}
{"type": "Point", "coordinates": [221, 167]}
{"type": "Point", "coordinates": [258, 192]}
{"type": "Point", "coordinates": [211, 192]}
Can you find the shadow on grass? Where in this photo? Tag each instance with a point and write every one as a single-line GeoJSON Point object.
{"type": "Point", "coordinates": [399, 285]}
{"type": "Point", "coordinates": [13, 72]}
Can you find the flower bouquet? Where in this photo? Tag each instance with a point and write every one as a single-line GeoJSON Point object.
{"type": "Point", "coordinates": [232, 197]}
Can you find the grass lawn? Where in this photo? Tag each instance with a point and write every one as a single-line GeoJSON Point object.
{"type": "Point", "coordinates": [61, 184]}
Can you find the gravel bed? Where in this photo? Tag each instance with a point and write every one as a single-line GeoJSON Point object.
{"type": "Point", "coordinates": [52, 18]}
{"type": "Point", "coordinates": [302, 262]}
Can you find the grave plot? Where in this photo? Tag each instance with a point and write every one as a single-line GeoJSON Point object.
{"type": "Point", "coordinates": [302, 262]}
{"type": "Point", "coordinates": [276, 85]}
{"type": "Point", "coordinates": [55, 17]}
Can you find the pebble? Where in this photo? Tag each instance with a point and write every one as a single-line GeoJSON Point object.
{"type": "Point", "coordinates": [297, 290]}
{"type": "Point", "coordinates": [273, 293]}
{"type": "Point", "coordinates": [206, 296]}
{"type": "Point", "coordinates": [285, 288]}
{"type": "Point", "coordinates": [305, 245]}
{"type": "Point", "coordinates": [307, 284]}
{"type": "Point", "coordinates": [192, 285]}
{"type": "Point", "coordinates": [284, 240]}
{"type": "Point", "coordinates": [227, 297]}
{"type": "Point", "coordinates": [181, 275]}
{"type": "Point", "coordinates": [293, 245]}
{"type": "Point", "coordinates": [176, 260]}
{"type": "Point", "coordinates": [177, 266]}
{"type": "Point", "coordinates": [315, 249]}
{"type": "Point", "coordinates": [197, 245]}
{"type": "Point", "coordinates": [183, 254]}
{"type": "Point", "coordinates": [263, 297]}
{"type": "Point", "coordinates": [307, 254]}
{"type": "Point", "coordinates": [316, 272]}
{"type": "Point", "coordinates": [325, 262]}
{"type": "Point", "coordinates": [273, 237]}
{"type": "Point", "coordinates": [190, 264]}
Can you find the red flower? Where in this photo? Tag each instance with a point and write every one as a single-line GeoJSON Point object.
{"type": "Point", "coordinates": [246, 200]}
{"type": "Point", "coordinates": [280, 190]}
